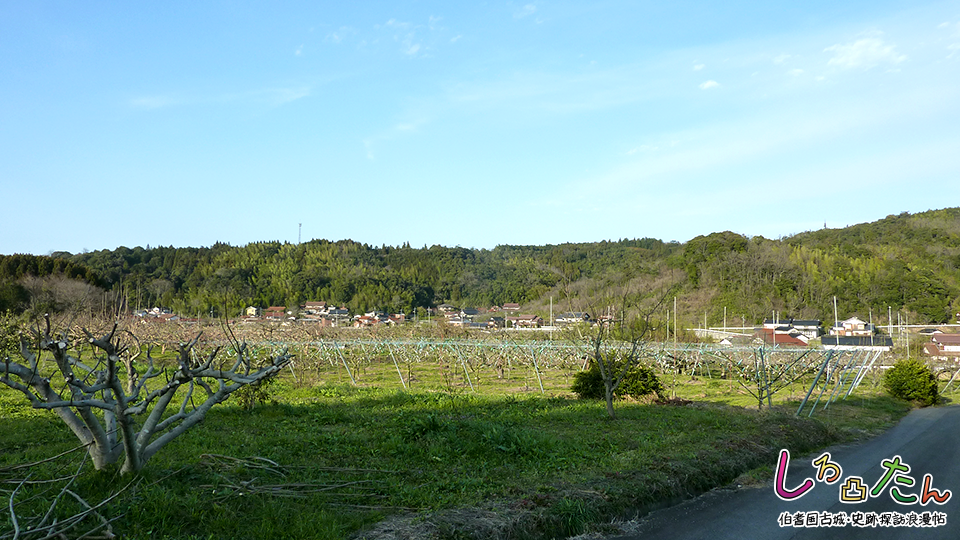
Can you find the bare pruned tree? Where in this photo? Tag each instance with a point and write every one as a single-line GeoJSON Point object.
{"type": "Point", "coordinates": [132, 423]}
{"type": "Point", "coordinates": [618, 346]}
{"type": "Point", "coordinates": [60, 294]}
{"type": "Point", "coordinates": [767, 371]}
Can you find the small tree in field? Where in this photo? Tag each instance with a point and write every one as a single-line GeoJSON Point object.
{"type": "Point", "coordinates": [117, 412]}
{"type": "Point", "coordinates": [639, 381]}
{"type": "Point", "coordinates": [615, 353]}
{"type": "Point", "coordinates": [912, 380]}
{"type": "Point", "coordinates": [617, 348]}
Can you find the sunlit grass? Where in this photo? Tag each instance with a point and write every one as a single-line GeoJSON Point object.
{"type": "Point", "coordinates": [348, 456]}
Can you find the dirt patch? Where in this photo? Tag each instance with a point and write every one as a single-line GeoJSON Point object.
{"type": "Point", "coordinates": [457, 523]}
{"type": "Point", "coordinates": [674, 401]}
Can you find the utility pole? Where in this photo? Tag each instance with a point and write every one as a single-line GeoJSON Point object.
{"type": "Point", "coordinates": [299, 230]}
{"type": "Point", "coordinates": [836, 319]}
{"type": "Point", "coordinates": [674, 324]}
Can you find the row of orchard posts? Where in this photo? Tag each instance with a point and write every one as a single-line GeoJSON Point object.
{"type": "Point", "coordinates": [763, 372]}
{"type": "Point", "coordinates": [458, 361]}
{"type": "Point", "coordinates": [760, 371]}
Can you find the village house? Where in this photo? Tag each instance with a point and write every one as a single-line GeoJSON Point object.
{"type": "Point", "coordinates": [789, 332]}
{"type": "Point", "coordinates": [365, 321]}
{"type": "Point", "coordinates": [783, 336]}
{"type": "Point", "coordinates": [376, 318]}
{"type": "Point", "coordinates": [948, 342]}
{"type": "Point", "coordinates": [811, 329]}
{"type": "Point", "coordinates": [572, 317]}
{"type": "Point", "coordinates": [275, 313]}
{"type": "Point", "coordinates": [855, 334]}
{"type": "Point", "coordinates": [314, 308]}
{"type": "Point", "coordinates": [853, 327]}
{"type": "Point", "coordinates": [526, 321]}
{"type": "Point", "coordinates": [337, 314]}
{"type": "Point", "coordinates": [943, 346]}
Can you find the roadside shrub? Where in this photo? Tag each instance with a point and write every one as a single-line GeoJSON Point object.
{"type": "Point", "coordinates": [259, 393]}
{"type": "Point", "coordinates": [9, 335]}
{"type": "Point", "coordinates": [912, 380]}
{"type": "Point", "coordinates": [639, 381]}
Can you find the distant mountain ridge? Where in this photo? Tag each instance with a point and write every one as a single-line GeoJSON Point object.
{"type": "Point", "coordinates": [908, 262]}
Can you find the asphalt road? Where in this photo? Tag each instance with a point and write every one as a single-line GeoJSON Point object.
{"type": "Point", "coordinates": [928, 440]}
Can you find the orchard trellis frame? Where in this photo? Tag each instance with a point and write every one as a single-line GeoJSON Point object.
{"type": "Point", "coordinates": [763, 370]}
{"type": "Point", "coordinates": [349, 351]}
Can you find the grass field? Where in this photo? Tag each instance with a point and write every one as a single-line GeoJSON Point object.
{"type": "Point", "coordinates": [447, 457]}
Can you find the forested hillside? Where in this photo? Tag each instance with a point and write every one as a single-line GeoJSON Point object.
{"type": "Point", "coordinates": [361, 277]}
{"type": "Point", "coordinates": [904, 262]}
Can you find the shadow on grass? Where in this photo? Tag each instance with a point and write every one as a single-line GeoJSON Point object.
{"type": "Point", "coordinates": [347, 458]}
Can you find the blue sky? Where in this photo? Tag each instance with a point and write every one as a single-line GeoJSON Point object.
{"type": "Point", "coordinates": [472, 124]}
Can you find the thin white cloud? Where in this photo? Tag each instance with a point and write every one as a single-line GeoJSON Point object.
{"type": "Point", "coordinates": [698, 67]}
{"type": "Point", "coordinates": [556, 93]}
{"type": "Point", "coordinates": [779, 59]}
{"type": "Point", "coordinates": [338, 35]}
{"type": "Point", "coordinates": [371, 143]}
{"type": "Point", "coordinates": [393, 23]}
{"type": "Point", "coordinates": [409, 126]}
{"type": "Point", "coordinates": [412, 38]}
{"type": "Point", "coordinates": [406, 34]}
{"type": "Point", "coordinates": [271, 97]}
{"type": "Point", "coordinates": [707, 85]}
{"type": "Point", "coordinates": [722, 149]}
{"type": "Point", "coordinates": [527, 10]}
{"type": "Point", "coordinates": [795, 72]}
{"type": "Point", "coordinates": [299, 50]}
{"type": "Point", "coordinates": [951, 26]}
{"type": "Point", "coordinates": [863, 53]}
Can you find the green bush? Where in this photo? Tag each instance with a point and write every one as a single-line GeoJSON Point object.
{"type": "Point", "coordinates": [912, 380]}
{"type": "Point", "coordinates": [258, 393]}
{"type": "Point", "coordinates": [639, 381]}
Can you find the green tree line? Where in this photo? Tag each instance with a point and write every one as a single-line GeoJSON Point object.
{"type": "Point", "coordinates": [903, 262]}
